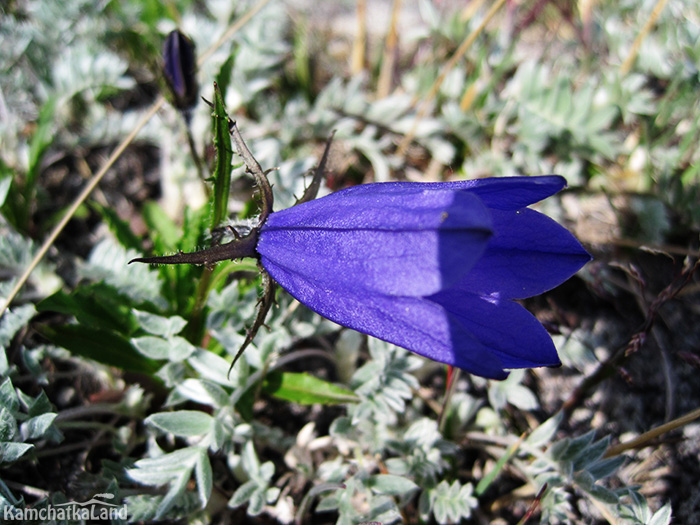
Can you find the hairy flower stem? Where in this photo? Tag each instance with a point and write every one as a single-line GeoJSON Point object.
{"type": "Point", "coordinates": [242, 246]}
{"type": "Point", "coordinates": [237, 249]}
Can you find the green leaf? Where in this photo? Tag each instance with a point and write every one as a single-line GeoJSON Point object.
{"type": "Point", "coordinates": [37, 426]}
{"type": "Point", "coordinates": [97, 305]}
{"type": "Point", "coordinates": [5, 183]}
{"type": "Point", "coordinates": [183, 423]}
{"type": "Point", "coordinates": [8, 425]}
{"type": "Point", "coordinates": [39, 405]}
{"type": "Point", "coordinates": [453, 502]}
{"type": "Point", "coordinates": [591, 454]}
{"type": "Point", "coordinates": [243, 494]}
{"type": "Point", "coordinates": [662, 516]}
{"type": "Point", "coordinates": [163, 230]}
{"type": "Point", "coordinates": [10, 452]}
{"type": "Point", "coordinates": [174, 349]}
{"type": "Point", "coordinates": [391, 485]}
{"type": "Point", "coordinates": [210, 366]}
{"type": "Point", "coordinates": [606, 467]}
{"type": "Point", "coordinates": [8, 396]}
{"type": "Point", "coordinates": [603, 494]}
{"type": "Point", "coordinates": [203, 392]}
{"type": "Point", "coordinates": [13, 320]}
{"type": "Point", "coordinates": [224, 157]}
{"type": "Point", "coordinates": [203, 476]}
{"type": "Point", "coordinates": [99, 345]}
{"type": "Point", "coordinates": [158, 325]}
{"type": "Point", "coordinates": [544, 433]}
{"type": "Point", "coordinates": [224, 77]}
{"type": "Point", "coordinates": [488, 478]}
{"type": "Point", "coordinates": [120, 228]}
{"type": "Point", "coordinates": [306, 389]}
{"type": "Point", "coordinates": [152, 347]}
{"type": "Point", "coordinates": [42, 138]}
{"type": "Point", "coordinates": [577, 446]}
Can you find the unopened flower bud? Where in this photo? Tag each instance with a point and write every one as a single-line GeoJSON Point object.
{"type": "Point", "coordinates": [180, 69]}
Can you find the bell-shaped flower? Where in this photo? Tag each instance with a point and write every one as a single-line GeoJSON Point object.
{"type": "Point", "coordinates": [431, 267]}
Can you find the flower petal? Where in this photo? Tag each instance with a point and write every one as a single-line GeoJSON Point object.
{"type": "Point", "coordinates": [514, 193]}
{"type": "Point", "coordinates": [528, 255]}
{"type": "Point", "coordinates": [417, 324]}
{"type": "Point", "coordinates": [507, 329]}
{"type": "Point", "coordinates": [380, 238]}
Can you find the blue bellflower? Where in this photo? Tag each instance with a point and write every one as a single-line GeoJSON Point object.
{"type": "Point", "coordinates": [431, 267]}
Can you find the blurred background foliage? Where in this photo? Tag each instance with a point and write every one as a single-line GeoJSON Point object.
{"type": "Point", "coordinates": [114, 376]}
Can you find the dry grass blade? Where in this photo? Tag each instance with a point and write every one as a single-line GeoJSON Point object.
{"type": "Point", "coordinates": [389, 56]}
{"type": "Point", "coordinates": [649, 436]}
{"type": "Point", "coordinates": [463, 48]}
{"type": "Point", "coordinates": [358, 46]}
{"type": "Point", "coordinates": [627, 64]}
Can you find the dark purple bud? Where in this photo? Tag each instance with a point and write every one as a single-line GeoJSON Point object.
{"type": "Point", "coordinates": [180, 68]}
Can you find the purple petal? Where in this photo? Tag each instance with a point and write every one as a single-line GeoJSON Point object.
{"type": "Point", "coordinates": [514, 193]}
{"type": "Point", "coordinates": [417, 324]}
{"type": "Point", "coordinates": [500, 193]}
{"type": "Point", "coordinates": [528, 255]}
{"type": "Point", "coordinates": [507, 329]}
{"type": "Point", "coordinates": [379, 238]}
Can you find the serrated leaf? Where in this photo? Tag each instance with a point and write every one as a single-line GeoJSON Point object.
{"type": "Point", "coordinates": [391, 485]}
{"type": "Point", "coordinates": [306, 389]}
{"type": "Point", "coordinates": [224, 157]}
{"type": "Point", "coordinates": [108, 262]}
{"type": "Point", "coordinates": [183, 423]}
